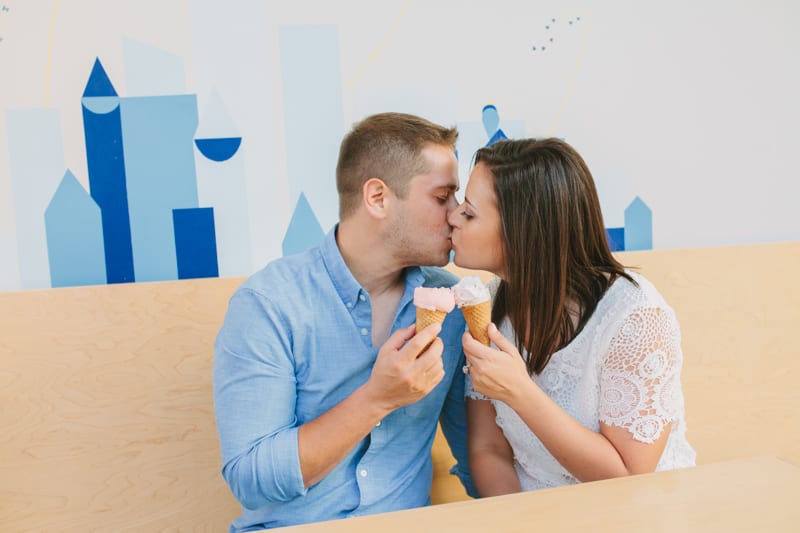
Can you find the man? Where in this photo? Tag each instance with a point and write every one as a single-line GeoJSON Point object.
{"type": "Point", "coordinates": [326, 400]}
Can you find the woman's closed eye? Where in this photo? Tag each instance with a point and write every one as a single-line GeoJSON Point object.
{"type": "Point", "coordinates": [467, 216]}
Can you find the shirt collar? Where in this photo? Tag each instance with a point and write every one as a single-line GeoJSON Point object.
{"type": "Point", "coordinates": [346, 285]}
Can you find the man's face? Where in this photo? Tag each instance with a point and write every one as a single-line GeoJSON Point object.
{"type": "Point", "coordinates": [419, 230]}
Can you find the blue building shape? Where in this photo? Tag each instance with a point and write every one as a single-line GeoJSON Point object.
{"type": "Point", "coordinates": [74, 230]}
{"type": "Point", "coordinates": [102, 128]}
{"type": "Point", "coordinates": [638, 226]}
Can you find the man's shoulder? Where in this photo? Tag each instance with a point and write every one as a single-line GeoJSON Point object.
{"type": "Point", "coordinates": [437, 277]}
{"type": "Point", "coordinates": [285, 272]}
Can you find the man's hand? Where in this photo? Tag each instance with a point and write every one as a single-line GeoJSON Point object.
{"type": "Point", "coordinates": [404, 371]}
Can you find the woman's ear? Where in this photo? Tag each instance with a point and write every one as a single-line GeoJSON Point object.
{"type": "Point", "coordinates": [375, 193]}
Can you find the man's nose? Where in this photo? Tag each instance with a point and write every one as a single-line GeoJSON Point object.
{"type": "Point", "coordinates": [451, 214]}
{"type": "Point", "coordinates": [452, 204]}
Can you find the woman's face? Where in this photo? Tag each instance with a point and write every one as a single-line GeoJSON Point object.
{"type": "Point", "coordinates": [476, 225]}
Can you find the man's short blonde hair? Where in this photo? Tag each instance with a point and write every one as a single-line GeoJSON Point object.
{"type": "Point", "coordinates": [387, 146]}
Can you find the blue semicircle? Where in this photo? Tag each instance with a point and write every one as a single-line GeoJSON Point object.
{"type": "Point", "coordinates": [100, 105]}
{"type": "Point", "coordinates": [219, 149]}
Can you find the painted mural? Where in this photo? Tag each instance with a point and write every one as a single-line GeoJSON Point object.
{"type": "Point", "coordinates": [172, 140]}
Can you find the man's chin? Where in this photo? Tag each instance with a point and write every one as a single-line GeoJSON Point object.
{"type": "Point", "coordinates": [439, 260]}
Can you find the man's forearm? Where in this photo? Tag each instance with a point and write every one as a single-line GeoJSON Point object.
{"type": "Point", "coordinates": [326, 440]}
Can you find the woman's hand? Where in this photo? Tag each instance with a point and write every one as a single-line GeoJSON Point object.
{"type": "Point", "coordinates": [499, 374]}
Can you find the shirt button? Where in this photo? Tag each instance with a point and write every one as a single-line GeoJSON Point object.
{"type": "Point", "coordinates": [364, 331]}
{"type": "Point", "coordinates": [363, 473]}
{"type": "Point", "coordinates": [350, 305]}
{"type": "Point", "coordinates": [362, 297]}
{"type": "Point", "coordinates": [378, 424]}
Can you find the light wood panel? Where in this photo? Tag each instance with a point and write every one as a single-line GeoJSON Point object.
{"type": "Point", "coordinates": [106, 408]}
{"type": "Point", "coordinates": [106, 404]}
{"type": "Point", "coordinates": [754, 494]}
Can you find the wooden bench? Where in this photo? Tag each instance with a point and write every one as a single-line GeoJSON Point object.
{"type": "Point", "coordinates": [106, 406]}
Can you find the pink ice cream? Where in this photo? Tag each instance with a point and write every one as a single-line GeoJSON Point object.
{"type": "Point", "coordinates": [434, 299]}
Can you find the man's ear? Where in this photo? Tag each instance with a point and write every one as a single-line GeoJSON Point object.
{"type": "Point", "coordinates": [375, 194]}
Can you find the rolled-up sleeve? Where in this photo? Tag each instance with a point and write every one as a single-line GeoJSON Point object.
{"type": "Point", "coordinates": [254, 402]}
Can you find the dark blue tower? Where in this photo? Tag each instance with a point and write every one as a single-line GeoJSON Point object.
{"type": "Point", "coordinates": [102, 129]}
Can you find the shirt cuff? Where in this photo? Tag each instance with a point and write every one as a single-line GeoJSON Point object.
{"type": "Point", "coordinates": [466, 480]}
{"type": "Point", "coordinates": [285, 464]}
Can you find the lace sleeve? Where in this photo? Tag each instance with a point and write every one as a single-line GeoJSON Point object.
{"type": "Point", "coordinates": [469, 392]}
{"type": "Point", "coordinates": [640, 377]}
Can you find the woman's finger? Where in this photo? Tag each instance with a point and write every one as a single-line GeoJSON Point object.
{"type": "Point", "coordinates": [474, 348]}
{"type": "Point", "coordinates": [500, 341]}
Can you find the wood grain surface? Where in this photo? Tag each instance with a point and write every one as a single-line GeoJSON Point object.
{"type": "Point", "coordinates": [749, 494]}
{"type": "Point", "coordinates": [106, 408]}
{"type": "Point", "coordinates": [106, 403]}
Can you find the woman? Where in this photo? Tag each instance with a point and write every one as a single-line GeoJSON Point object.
{"type": "Point", "coordinates": [583, 380]}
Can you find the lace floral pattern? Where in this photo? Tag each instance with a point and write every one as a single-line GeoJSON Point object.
{"type": "Point", "coordinates": [623, 369]}
{"type": "Point", "coordinates": [640, 374]}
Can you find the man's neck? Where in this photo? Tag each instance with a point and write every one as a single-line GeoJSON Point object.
{"type": "Point", "coordinates": [368, 258]}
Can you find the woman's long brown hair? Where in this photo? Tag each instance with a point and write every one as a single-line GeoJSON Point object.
{"type": "Point", "coordinates": [554, 243]}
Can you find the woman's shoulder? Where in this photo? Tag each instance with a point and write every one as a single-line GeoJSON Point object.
{"type": "Point", "coordinates": [629, 297]}
{"type": "Point", "coordinates": [638, 291]}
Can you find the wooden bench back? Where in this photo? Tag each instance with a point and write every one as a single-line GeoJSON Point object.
{"type": "Point", "coordinates": [106, 403]}
{"type": "Point", "coordinates": [106, 408]}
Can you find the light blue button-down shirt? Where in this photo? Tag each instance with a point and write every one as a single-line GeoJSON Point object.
{"type": "Point", "coordinates": [296, 341]}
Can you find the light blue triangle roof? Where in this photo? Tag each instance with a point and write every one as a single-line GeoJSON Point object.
{"type": "Point", "coordinates": [304, 230]}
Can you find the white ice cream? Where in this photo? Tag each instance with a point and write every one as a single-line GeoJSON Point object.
{"type": "Point", "coordinates": [470, 291]}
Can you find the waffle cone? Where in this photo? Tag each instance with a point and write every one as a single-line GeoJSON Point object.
{"type": "Point", "coordinates": [426, 317]}
{"type": "Point", "coordinates": [478, 318]}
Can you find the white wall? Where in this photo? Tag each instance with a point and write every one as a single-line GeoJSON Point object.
{"type": "Point", "coordinates": [690, 105]}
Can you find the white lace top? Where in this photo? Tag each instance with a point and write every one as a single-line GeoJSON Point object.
{"type": "Point", "coordinates": [623, 369]}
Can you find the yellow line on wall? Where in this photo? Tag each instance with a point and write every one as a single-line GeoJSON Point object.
{"type": "Point", "coordinates": [381, 46]}
{"type": "Point", "coordinates": [50, 54]}
{"type": "Point", "coordinates": [551, 130]}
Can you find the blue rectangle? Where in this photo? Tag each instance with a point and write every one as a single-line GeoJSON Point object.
{"type": "Point", "coordinates": [616, 239]}
{"type": "Point", "coordinates": [195, 242]}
